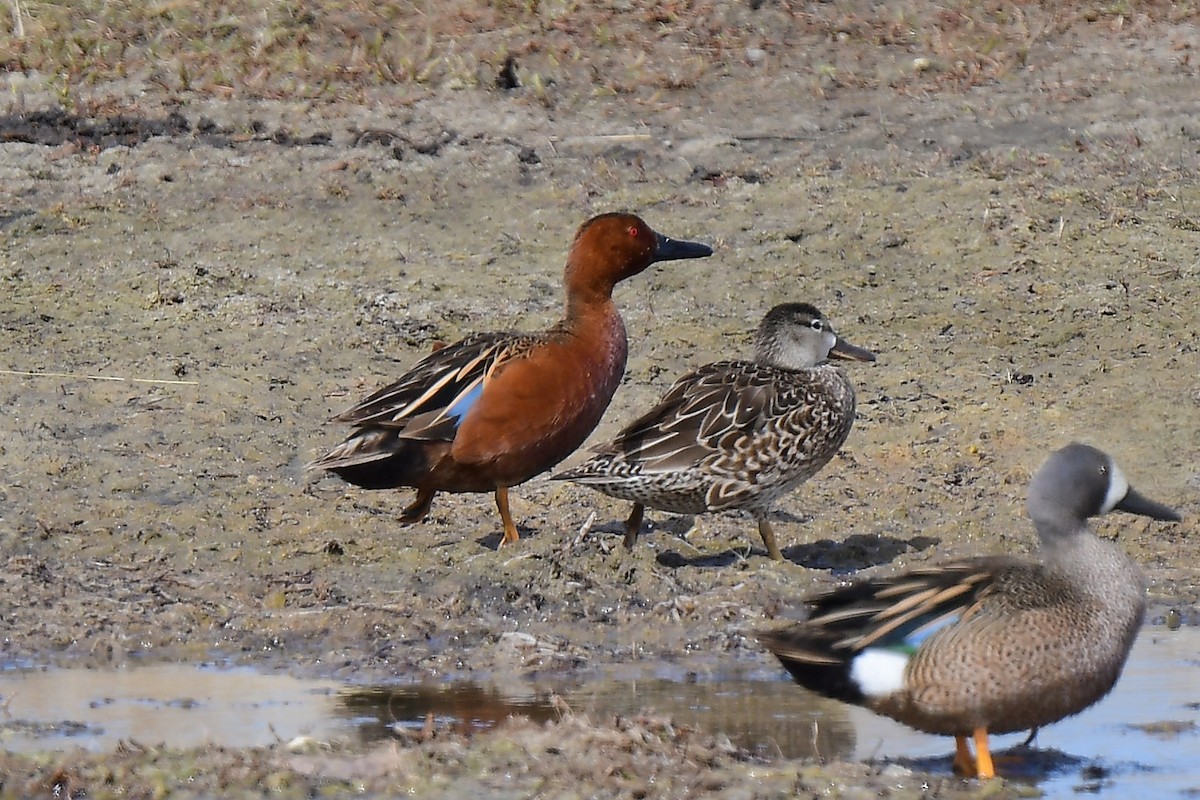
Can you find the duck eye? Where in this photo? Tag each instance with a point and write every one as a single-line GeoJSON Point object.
{"type": "Point", "coordinates": [817, 324]}
{"type": "Point", "coordinates": [633, 231]}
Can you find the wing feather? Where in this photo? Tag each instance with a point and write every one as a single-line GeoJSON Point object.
{"type": "Point", "coordinates": [431, 400]}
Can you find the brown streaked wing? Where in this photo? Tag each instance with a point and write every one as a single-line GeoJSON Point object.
{"type": "Point", "coordinates": [699, 410]}
{"type": "Point", "coordinates": [864, 613]}
{"type": "Point", "coordinates": [418, 403]}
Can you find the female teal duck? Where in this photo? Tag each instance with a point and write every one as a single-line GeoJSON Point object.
{"type": "Point", "coordinates": [736, 434]}
{"type": "Point", "coordinates": [993, 644]}
{"type": "Point", "coordinates": [495, 409]}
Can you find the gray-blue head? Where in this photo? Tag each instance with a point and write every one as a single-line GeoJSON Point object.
{"type": "Point", "coordinates": [1078, 482]}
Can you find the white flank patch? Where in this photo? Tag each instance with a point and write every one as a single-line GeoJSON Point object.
{"type": "Point", "coordinates": [878, 673]}
{"type": "Point", "coordinates": [1118, 487]}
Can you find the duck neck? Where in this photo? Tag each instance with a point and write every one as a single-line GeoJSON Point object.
{"type": "Point", "coordinates": [593, 319]}
{"type": "Point", "coordinates": [595, 333]}
{"type": "Point", "coordinates": [1095, 565]}
{"type": "Point", "coordinates": [584, 304]}
{"type": "Point", "coordinates": [585, 290]}
{"type": "Point", "coordinates": [591, 310]}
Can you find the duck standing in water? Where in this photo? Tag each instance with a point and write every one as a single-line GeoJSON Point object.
{"type": "Point", "coordinates": [736, 434]}
{"type": "Point", "coordinates": [994, 644]}
{"type": "Point", "coordinates": [495, 409]}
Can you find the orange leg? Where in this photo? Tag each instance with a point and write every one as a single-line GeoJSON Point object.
{"type": "Point", "coordinates": [964, 762]}
{"type": "Point", "coordinates": [416, 511]}
{"type": "Point", "coordinates": [510, 530]}
{"type": "Point", "coordinates": [633, 525]}
{"type": "Point", "coordinates": [768, 536]}
{"type": "Point", "coordinates": [983, 755]}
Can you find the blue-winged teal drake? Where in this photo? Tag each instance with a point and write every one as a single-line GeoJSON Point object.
{"type": "Point", "coordinates": [495, 409]}
{"type": "Point", "coordinates": [995, 644]}
{"type": "Point", "coordinates": [736, 434]}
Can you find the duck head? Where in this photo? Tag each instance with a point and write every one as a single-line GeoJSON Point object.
{"type": "Point", "coordinates": [1080, 481]}
{"type": "Point", "coordinates": [612, 247]}
{"type": "Point", "coordinates": [797, 336]}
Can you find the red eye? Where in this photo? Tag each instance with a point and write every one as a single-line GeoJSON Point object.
{"type": "Point", "coordinates": [633, 231]}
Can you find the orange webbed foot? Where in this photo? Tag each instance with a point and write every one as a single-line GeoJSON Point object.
{"type": "Point", "coordinates": [984, 768]}
{"type": "Point", "coordinates": [964, 762]}
{"type": "Point", "coordinates": [977, 766]}
{"type": "Point", "coordinates": [510, 529]}
{"type": "Point", "coordinates": [418, 508]}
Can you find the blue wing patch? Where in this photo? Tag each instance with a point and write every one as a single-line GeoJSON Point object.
{"type": "Point", "coordinates": [463, 404]}
{"type": "Point", "coordinates": [914, 637]}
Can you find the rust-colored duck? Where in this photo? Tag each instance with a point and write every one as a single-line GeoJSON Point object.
{"type": "Point", "coordinates": [495, 409]}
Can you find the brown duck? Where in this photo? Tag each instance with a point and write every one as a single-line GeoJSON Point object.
{"type": "Point", "coordinates": [994, 644]}
{"type": "Point", "coordinates": [736, 434]}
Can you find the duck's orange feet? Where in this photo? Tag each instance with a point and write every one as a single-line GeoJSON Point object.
{"type": "Point", "coordinates": [510, 530]}
{"type": "Point", "coordinates": [416, 511]}
{"type": "Point", "coordinates": [978, 766]}
{"type": "Point", "coordinates": [983, 755]}
{"type": "Point", "coordinates": [964, 762]}
{"type": "Point", "coordinates": [633, 525]}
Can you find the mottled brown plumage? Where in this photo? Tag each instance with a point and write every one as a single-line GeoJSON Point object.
{"type": "Point", "coordinates": [994, 644]}
{"type": "Point", "coordinates": [736, 434]}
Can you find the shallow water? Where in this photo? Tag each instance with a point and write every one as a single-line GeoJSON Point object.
{"type": "Point", "coordinates": [181, 705]}
{"type": "Point", "coordinates": [1143, 738]}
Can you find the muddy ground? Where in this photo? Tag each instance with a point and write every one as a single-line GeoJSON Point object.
{"type": "Point", "coordinates": [1022, 252]}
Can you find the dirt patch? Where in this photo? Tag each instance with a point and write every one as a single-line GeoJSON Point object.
{"type": "Point", "coordinates": [1019, 246]}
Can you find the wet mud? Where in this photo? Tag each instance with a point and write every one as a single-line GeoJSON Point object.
{"type": "Point", "coordinates": [191, 293]}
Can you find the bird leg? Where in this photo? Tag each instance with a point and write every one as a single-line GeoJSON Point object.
{"type": "Point", "coordinates": [416, 511]}
{"type": "Point", "coordinates": [768, 537]}
{"type": "Point", "coordinates": [510, 530]}
{"type": "Point", "coordinates": [983, 756]}
{"type": "Point", "coordinates": [964, 762]}
{"type": "Point", "coordinates": [633, 525]}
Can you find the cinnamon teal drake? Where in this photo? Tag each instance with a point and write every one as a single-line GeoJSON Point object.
{"type": "Point", "coordinates": [996, 644]}
{"type": "Point", "coordinates": [736, 434]}
{"type": "Point", "coordinates": [495, 409]}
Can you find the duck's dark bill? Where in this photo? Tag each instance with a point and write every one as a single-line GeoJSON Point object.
{"type": "Point", "coordinates": [1135, 503]}
{"type": "Point", "coordinates": [848, 352]}
{"type": "Point", "coordinates": [670, 249]}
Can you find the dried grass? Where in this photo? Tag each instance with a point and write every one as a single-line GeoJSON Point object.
{"type": "Point", "coordinates": [337, 48]}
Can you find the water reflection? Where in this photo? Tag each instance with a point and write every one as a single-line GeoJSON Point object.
{"type": "Point", "coordinates": [378, 712]}
{"type": "Point", "coordinates": [183, 705]}
{"type": "Point", "coordinates": [771, 718]}
{"type": "Point", "coordinates": [1143, 738]}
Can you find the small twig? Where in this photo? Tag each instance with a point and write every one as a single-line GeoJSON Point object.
{"type": "Point", "coordinates": [773, 137]}
{"type": "Point", "coordinates": [584, 530]}
{"type": "Point", "coordinates": [79, 376]}
{"type": "Point", "coordinates": [603, 137]}
{"type": "Point", "coordinates": [560, 706]}
{"type": "Point", "coordinates": [18, 20]}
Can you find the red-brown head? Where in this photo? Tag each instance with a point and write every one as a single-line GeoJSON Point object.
{"type": "Point", "coordinates": [612, 247]}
